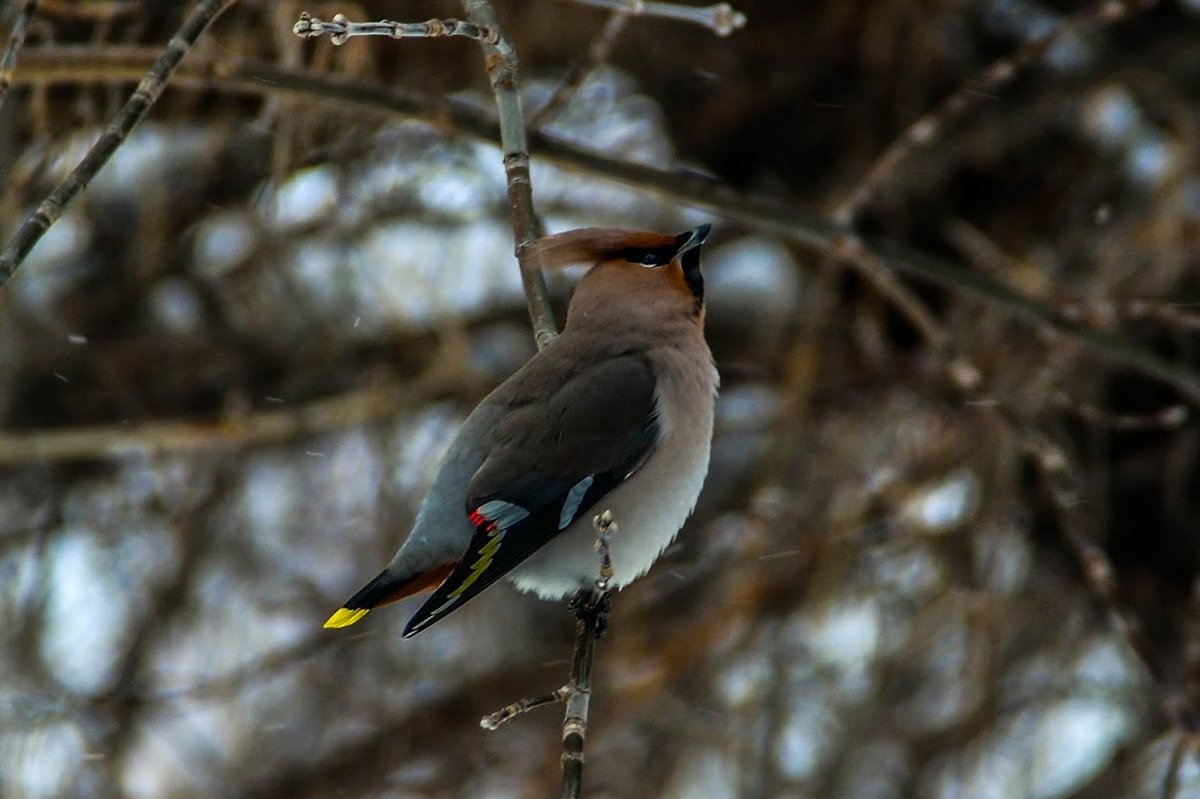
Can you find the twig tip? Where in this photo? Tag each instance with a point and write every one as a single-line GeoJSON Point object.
{"type": "Point", "coordinates": [726, 20]}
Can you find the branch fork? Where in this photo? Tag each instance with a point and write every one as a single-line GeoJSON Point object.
{"type": "Point", "coordinates": [591, 607]}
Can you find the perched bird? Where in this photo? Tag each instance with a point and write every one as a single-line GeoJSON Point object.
{"type": "Point", "coordinates": [615, 414]}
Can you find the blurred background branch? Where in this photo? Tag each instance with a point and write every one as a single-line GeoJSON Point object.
{"type": "Point", "coordinates": [948, 543]}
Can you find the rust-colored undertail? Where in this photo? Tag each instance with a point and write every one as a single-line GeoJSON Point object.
{"type": "Point", "coordinates": [386, 588]}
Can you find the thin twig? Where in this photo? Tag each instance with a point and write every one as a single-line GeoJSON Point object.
{"type": "Point", "coordinates": [591, 624]}
{"type": "Point", "coordinates": [500, 60]}
{"type": "Point", "coordinates": [606, 528]}
{"type": "Point", "coordinates": [351, 409]}
{"type": "Point", "coordinates": [169, 600]}
{"type": "Point", "coordinates": [509, 712]}
{"type": "Point", "coordinates": [885, 280]}
{"type": "Point", "coordinates": [574, 729]}
{"type": "Point", "coordinates": [339, 29]}
{"type": "Point", "coordinates": [93, 10]}
{"type": "Point", "coordinates": [1165, 312]}
{"type": "Point", "coordinates": [135, 108]}
{"type": "Point", "coordinates": [368, 756]}
{"type": "Point", "coordinates": [87, 65]}
{"type": "Point", "coordinates": [1065, 487]}
{"type": "Point", "coordinates": [16, 39]}
{"type": "Point", "coordinates": [502, 74]}
{"type": "Point", "coordinates": [1168, 418]}
{"type": "Point", "coordinates": [596, 55]}
{"type": "Point", "coordinates": [1077, 522]}
{"type": "Point", "coordinates": [929, 127]}
{"type": "Point", "coordinates": [722, 19]}
{"type": "Point", "coordinates": [1170, 783]}
{"type": "Point", "coordinates": [1067, 491]}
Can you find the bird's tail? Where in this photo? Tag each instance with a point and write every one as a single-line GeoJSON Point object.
{"type": "Point", "coordinates": [385, 588]}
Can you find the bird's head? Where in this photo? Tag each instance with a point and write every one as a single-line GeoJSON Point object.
{"type": "Point", "coordinates": [630, 267]}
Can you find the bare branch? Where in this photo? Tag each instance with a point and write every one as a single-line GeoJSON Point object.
{"type": "Point", "coordinates": [1184, 743]}
{"type": "Point", "coordinates": [1065, 487]}
{"type": "Point", "coordinates": [593, 608]}
{"type": "Point", "coordinates": [340, 29]}
{"type": "Point", "coordinates": [1168, 418]}
{"type": "Point", "coordinates": [510, 712]}
{"type": "Point", "coordinates": [876, 272]}
{"type": "Point", "coordinates": [574, 729]}
{"type": "Point", "coordinates": [1001, 72]}
{"type": "Point", "coordinates": [596, 55]}
{"type": "Point", "coordinates": [606, 528]}
{"type": "Point", "coordinates": [722, 19]}
{"type": "Point", "coordinates": [353, 408]}
{"type": "Point", "coordinates": [135, 108]}
{"type": "Point", "coordinates": [501, 64]}
{"type": "Point", "coordinates": [96, 10]}
{"type": "Point", "coordinates": [16, 39]}
{"type": "Point", "coordinates": [759, 213]}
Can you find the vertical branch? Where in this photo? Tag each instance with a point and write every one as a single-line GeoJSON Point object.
{"type": "Point", "coordinates": [501, 63]}
{"type": "Point", "coordinates": [16, 39]}
{"type": "Point", "coordinates": [574, 729]}
{"type": "Point", "coordinates": [135, 108]}
{"type": "Point", "coordinates": [593, 608]}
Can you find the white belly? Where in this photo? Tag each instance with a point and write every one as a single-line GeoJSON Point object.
{"type": "Point", "coordinates": [649, 507]}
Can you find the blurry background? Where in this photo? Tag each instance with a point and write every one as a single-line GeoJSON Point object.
{"type": "Point", "coordinates": [227, 375]}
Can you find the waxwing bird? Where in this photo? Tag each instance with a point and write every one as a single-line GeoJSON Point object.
{"type": "Point", "coordinates": [615, 414]}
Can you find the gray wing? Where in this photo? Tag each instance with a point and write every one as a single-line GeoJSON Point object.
{"type": "Point", "coordinates": [571, 433]}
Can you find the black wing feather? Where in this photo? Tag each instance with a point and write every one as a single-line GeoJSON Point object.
{"type": "Point", "coordinates": [539, 479]}
{"type": "Point", "coordinates": [519, 542]}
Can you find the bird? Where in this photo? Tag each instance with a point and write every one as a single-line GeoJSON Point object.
{"type": "Point", "coordinates": [614, 414]}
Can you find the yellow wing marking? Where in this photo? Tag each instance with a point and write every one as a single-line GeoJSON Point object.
{"type": "Point", "coordinates": [344, 617]}
{"type": "Point", "coordinates": [486, 553]}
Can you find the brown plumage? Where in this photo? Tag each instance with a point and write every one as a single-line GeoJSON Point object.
{"type": "Point", "coordinates": [586, 246]}
{"type": "Point", "coordinates": [614, 414]}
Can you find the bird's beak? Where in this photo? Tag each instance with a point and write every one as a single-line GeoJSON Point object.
{"type": "Point", "coordinates": [692, 239]}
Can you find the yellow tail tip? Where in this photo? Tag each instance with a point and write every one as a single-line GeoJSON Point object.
{"type": "Point", "coordinates": [344, 617]}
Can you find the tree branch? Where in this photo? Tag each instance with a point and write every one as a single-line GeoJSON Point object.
{"type": "Point", "coordinates": [593, 608]}
{"type": "Point", "coordinates": [135, 108]}
{"type": "Point", "coordinates": [929, 126]}
{"type": "Point", "coordinates": [500, 61]}
{"type": "Point", "coordinates": [722, 19]}
{"type": "Point", "coordinates": [16, 39]}
{"type": "Point", "coordinates": [356, 407]}
{"type": "Point", "coordinates": [596, 55]}
{"type": "Point", "coordinates": [764, 214]}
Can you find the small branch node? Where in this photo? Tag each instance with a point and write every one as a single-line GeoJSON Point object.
{"type": "Point", "coordinates": [606, 527]}
{"type": "Point", "coordinates": [510, 712]}
{"type": "Point", "coordinates": [726, 20]}
{"type": "Point", "coordinates": [965, 375]}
